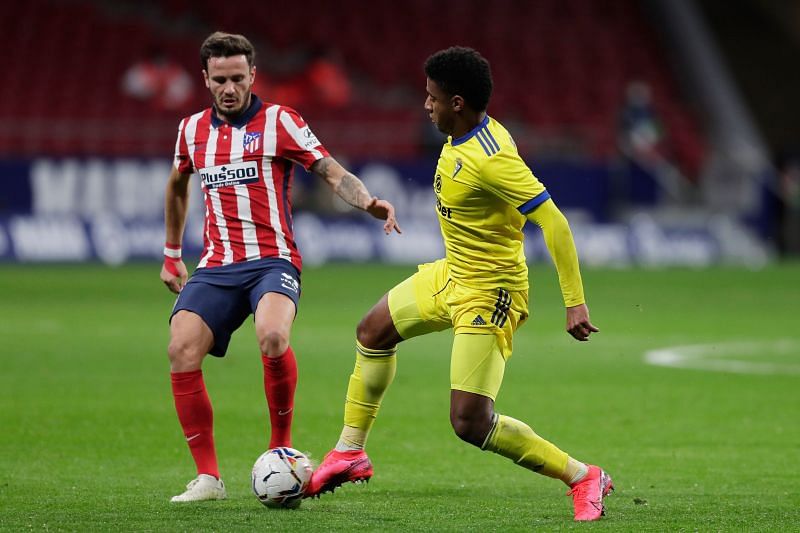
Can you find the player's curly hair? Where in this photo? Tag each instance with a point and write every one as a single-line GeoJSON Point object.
{"type": "Point", "coordinates": [462, 71]}
{"type": "Point", "coordinates": [221, 44]}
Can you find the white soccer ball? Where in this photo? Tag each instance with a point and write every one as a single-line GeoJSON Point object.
{"type": "Point", "coordinates": [280, 476]}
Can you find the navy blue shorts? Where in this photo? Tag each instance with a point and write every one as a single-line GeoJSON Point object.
{"type": "Point", "coordinates": [224, 296]}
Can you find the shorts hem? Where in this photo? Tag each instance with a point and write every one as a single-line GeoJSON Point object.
{"type": "Point", "coordinates": [216, 350]}
{"type": "Point", "coordinates": [474, 390]}
{"type": "Point", "coordinates": [476, 330]}
{"type": "Point", "coordinates": [292, 296]}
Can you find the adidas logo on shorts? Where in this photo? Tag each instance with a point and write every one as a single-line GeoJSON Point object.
{"type": "Point", "coordinates": [479, 321]}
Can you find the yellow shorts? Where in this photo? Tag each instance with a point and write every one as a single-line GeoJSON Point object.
{"type": "Point", "coordinates": [431, 300]}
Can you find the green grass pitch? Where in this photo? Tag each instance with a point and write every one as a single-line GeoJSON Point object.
{"type": "Point", "coordinates": [89, 440]}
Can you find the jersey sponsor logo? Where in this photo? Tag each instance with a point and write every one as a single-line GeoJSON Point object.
{"type": "Point", "coordinates": [229, 174]}
{"type": "Point", "coordinates": [251, 142]}
{"type": "Point", "coordinates": [443, 210]}
{"type": "Point", "coordinates": [440, 208]}
{"type": "Point", "coordinates": [459, 166]}
{"type": "Point", "coordinates": [309, 139]}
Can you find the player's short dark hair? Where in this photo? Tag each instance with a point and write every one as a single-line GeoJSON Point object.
{"type": "Point", "coordinates": [462, 71]}
{"type": "Point", "coordinates": [221, 44]}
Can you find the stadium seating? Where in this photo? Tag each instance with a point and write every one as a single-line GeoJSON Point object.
{"type": "Point", "coordinates": [560, 67]}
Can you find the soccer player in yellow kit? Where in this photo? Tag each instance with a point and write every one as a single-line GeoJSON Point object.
{"type": "Point", "coordinates": [484, 195]}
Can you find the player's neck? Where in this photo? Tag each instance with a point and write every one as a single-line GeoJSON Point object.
{"type": "Point", "coordinates": [466, 122]}
{"type": "Point", "coordinates": [231, 119]}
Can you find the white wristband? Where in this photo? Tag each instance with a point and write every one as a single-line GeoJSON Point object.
{"type": "Point", "coordinates": [174, 253]}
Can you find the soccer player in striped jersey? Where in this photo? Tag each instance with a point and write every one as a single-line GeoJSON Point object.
{"type": "Point", "coordinates": [243, 150]}
{"type": "Point", "coordinates": [484, 195]}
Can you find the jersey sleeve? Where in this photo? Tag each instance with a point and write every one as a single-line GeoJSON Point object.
{"type": "Point", "coordinates": [296, 141]}
{"type": "Point", "coordinates": [182, 160]}
{"type": "Point", "coordinates": [561, 245]}
{"type": "Point", "coordinates": [506, 175]}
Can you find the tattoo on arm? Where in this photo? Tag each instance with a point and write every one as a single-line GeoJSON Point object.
{"type": "Point", "coordinates": [346, 185]}
{"type": "Point", "coordinates": [352, 191]}
{"type": "Point", "coordinates": [320, 167]}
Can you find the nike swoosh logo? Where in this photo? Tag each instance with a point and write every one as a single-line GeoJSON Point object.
{"type": "Point", "coordinates": [284, 413]}
{"type": "Point", "coordinates": [188, 439]}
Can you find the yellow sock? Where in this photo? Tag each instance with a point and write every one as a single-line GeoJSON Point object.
{"type": "Point", "coordinates": [372, 375]}
{"type": "Point", "coordinates": [517, 441]}
{"type": "Point", "coordinates": [574, 472]}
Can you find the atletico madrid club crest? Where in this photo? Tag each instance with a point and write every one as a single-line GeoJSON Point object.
{"type": "Point", "coordinates": [252, 142]}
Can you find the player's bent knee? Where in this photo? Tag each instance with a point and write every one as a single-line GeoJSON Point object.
{"type": "Point", "coordinates": [274, 343]}
{"type": "Point", "coordinates": [470, 428]}
{"type": "Point", "coordinates": [183, 357]}
{"type": "Point", "coordinates": [376, 332]}
{"type": "Point", "coordinates": [366, 335]}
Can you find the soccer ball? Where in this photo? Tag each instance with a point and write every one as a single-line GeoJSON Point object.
{"type": "Point", "coordinates": [280, 476]}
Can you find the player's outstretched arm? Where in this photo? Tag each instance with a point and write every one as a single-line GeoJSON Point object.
{"type": "Point", "coordinates": [352, 190]}
{"type": "Point", "coordinates": [561, 246]}
{"type": "Point", "coordinates": [176, 200]}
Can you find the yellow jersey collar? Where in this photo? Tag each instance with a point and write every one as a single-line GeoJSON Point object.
{"type": "Point", "coordinates": [472, 133]}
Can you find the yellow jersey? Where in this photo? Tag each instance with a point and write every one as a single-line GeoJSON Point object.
{"type": "Point", "coordinates": [483, 192]}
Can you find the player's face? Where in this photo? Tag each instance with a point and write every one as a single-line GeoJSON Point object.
{"type": "Point", "coordinates": [439, 106]}
{"type": "Point", "coordinates": [229, 79]}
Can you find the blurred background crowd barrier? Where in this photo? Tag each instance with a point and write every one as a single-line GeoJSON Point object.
{"type": "Point", "coordinates": [667, 130]}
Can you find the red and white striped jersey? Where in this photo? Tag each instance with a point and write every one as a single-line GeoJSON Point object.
{"type": "Point", "coordinates": [246, 170]}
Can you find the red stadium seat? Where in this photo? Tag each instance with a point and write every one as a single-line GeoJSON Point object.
{"type": "Point", "coordinates": [559, 65]}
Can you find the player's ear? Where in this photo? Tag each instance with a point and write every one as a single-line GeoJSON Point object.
{"type": "Point", "coordinates": [457, 103]}
{"type": "Point", "coordinates": [205, 79]}
{"type": "Point", "coordinates": [252, 74]}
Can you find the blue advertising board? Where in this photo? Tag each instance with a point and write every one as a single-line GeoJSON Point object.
{"type": "Point", "coordinates": [65, 210]}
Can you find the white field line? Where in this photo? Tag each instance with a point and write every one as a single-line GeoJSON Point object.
{"type": "Point", "coordinates": [721, 357]}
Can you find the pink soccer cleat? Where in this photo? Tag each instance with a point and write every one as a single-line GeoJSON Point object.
{"type": "Point", "coordinates": [338, 468]}
{"type": "Point", "coordinates": [588, 493]}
